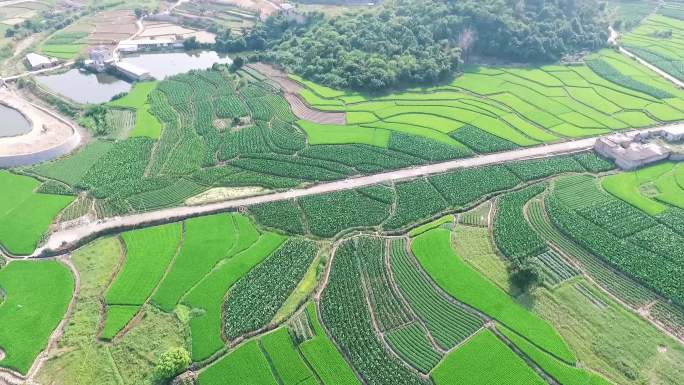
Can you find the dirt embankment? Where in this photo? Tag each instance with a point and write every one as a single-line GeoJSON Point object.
{"type": "Point", "coordinates": [291, 90]}
{"type": "Point", "coordinates": [50, 135]}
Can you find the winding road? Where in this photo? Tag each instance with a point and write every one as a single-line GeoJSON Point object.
{"type": "Point", "coordinates": [64, 241]}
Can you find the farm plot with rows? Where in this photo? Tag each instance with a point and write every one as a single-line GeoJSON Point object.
{"type": "Point", "coordinates": [490, 109]}
{"type": "Point", "coordinates": [559, 269]}
{"type": "Point", "coordinates": [395, 303]}
{"type": "Point", "coordinates": [620, 234]}
{"type": "Point", "coordinates": [659, 41]}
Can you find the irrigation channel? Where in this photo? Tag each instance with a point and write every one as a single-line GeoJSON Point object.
{"type": "Point", "coordinates": [64, 241]}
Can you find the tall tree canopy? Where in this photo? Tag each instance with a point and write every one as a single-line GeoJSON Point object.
{"type": "Point", "coordinates": [412, 42]}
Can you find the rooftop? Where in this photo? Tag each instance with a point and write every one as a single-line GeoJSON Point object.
{"type": "Point", "coordinates": [35, 59]}
{"type": "Point", "coordinates": [131, 68]}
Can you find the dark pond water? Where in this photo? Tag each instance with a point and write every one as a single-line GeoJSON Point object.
{"type": "Point", "coordinates": [85, 87]}
{"type": "Point", "coordinates": [12, 122]}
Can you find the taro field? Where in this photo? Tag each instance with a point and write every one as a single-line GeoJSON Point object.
{"type": "Point", "coordinates": [405, 283]}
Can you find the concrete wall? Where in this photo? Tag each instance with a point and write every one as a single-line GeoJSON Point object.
{"type": "Point", "coordinates": [41, 156]}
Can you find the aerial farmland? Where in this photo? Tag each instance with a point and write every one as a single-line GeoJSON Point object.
{"type": "Point", "coordinates": [322, 192]}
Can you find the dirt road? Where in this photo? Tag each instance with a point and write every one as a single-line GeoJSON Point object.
{"type": "Point", "coordinates": [63, 241]}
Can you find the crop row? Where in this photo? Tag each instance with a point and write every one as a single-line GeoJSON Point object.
{"type": "Point", "coordinates": [657, 272]}
{"type": "Point", "coordinates": [447, 323]}
{"type": "Point", "coordinates": [256, 297]}
{"type": "Point", "coordinates": [345, 313]}
{"type": "Point", "coordinates": [388, 309]}
{"type": "Point", "coordinates": [512, 234]}
{"type": "Point", "coordinates": [412, 345]}
{"type": "Point", "coordinates": [554, 268]}
{"type": "Point", "coordinates": [624, 288]}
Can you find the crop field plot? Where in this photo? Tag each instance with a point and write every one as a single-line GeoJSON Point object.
{"type": "Point", "coordinates": [148, 253]}
{"type": "Point", "coordinates": [35, 294]}
{"type": "Point", "coordinates": [434, 253]}
{"type": "Point", "coordinates": [137, 100]}
{"type": "Point", "coordinates": [658, 40]}
{"type": "Point", "coordinates": [25, 215]}
{"type": "Point", "coordinates": [233, 16]}
{"type": "Point", "coordinates": [472, 362]}
{"type": "Point", "coordinates": [627, 239]}
{"type": "Point", "coordinates": [520, 107]}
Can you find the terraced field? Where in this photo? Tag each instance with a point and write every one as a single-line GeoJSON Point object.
{"type": "Point", "coordinates": [658, 40]}
{"type": "Point", "coordinates": [518, 106]}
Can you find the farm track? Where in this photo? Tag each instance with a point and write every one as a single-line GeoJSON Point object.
{"type": "Point", "coordinates": [63, 241]}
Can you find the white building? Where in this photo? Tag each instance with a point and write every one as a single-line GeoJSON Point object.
{"type": "Point", "coordinates": [148, 45]}
{"type": "Point", "coordinates": [630, 153]}
{"type": "Point", "coordinates": [132, 71]}
{"type": "Point", "coordinates": [100, 58]}
{"type": "Point", "coordinates": [37, 62]}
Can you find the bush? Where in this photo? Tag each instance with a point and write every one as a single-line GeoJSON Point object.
{"type": "Point", "coordinates": [171, 363]}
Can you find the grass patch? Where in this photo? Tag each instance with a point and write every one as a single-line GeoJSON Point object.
{"type": "Point", "coordinates": [24, 214]}
{"type": "Point", "coordinates": [82, 360]}
{"type": "Point", "coordinates": [37, 296]}
{"type": "Point", "coordinates": [118, 316]}
{"type": "Point", "coordinates": [245, 365]}
{"type": "Point", "coordinates": [351, 134]}
{"type": "Point", "coordinates": [137, 99]}
{"type": "Point", "coordinates": [610, 340]}
{"type": "Point", "coordinates": [472, 363]}
{"type": "Point", "coordinates": [626, 186]}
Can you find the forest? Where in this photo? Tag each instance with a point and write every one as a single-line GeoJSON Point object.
{"type": "Point", "coordinates": [415, 42]}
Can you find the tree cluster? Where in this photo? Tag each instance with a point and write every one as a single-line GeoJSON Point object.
{"type": "Point", "coordinates": [414, 42]}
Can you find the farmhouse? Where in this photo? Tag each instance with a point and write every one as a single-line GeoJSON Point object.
{"type": "Point", "coordinates": [632, 152]}
{"type": "Point", "coordinates": [37, 62]}
{"type": "Point", "coordinates": [100, 58]}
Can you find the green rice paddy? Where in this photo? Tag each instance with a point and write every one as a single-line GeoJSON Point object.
{"type": "Point", "coordinates": [25, 215]}
{"type": "Point", "coordinates": [525, 106]}
{"type": "Point", "coordinates": [484, 360]}
{"type": "Point", "coordinates": [37, 296]}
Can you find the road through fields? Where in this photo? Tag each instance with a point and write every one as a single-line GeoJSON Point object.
{"type": "Point", "coordinates": [63, 241]}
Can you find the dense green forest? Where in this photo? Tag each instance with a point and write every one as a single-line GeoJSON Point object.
{"type": "Point", "coordinates": [408, 42]}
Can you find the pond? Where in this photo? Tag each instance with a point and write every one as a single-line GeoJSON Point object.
{"type": "Point", "coordinates": [85, 87]}
{"type": "Point", "coordinates": [13, 122]}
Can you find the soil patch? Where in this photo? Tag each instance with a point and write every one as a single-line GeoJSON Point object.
{"type": "Point", "coordinates": [220, 194]}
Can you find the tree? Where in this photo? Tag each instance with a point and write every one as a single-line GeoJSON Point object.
{"type": "Point", "coordinates": [238, 62]}
{"type": "Point", "coordinates": [171, 363]}
{"type": "Point", "coordinates": [524, 276]}
{"type": "Point", "coordinates": [191, 43]}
